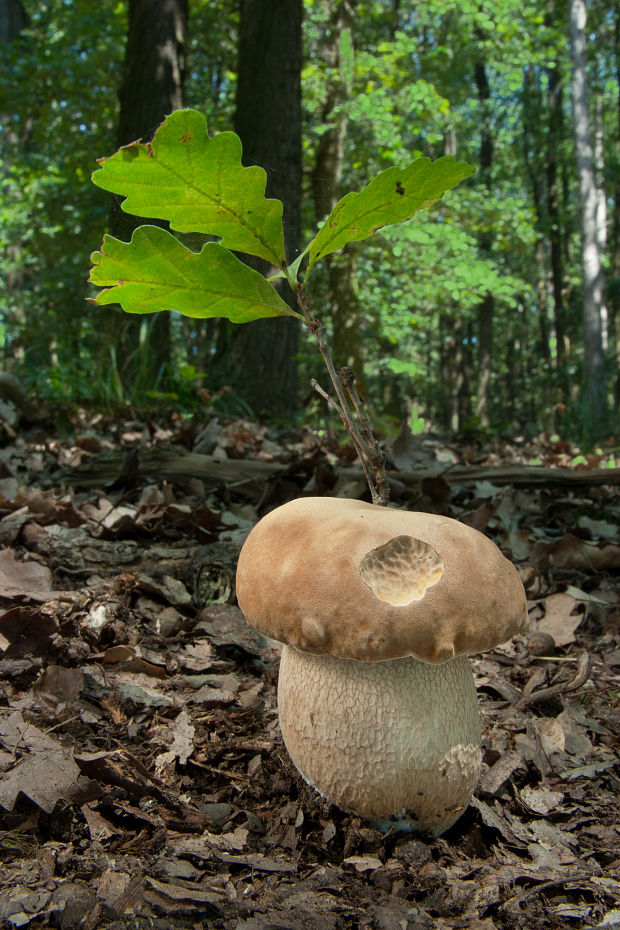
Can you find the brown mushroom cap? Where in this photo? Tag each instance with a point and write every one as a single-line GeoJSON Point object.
{"type": "Point", "coordinates": [359, 581]}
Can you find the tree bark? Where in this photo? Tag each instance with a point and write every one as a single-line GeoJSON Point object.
{"type": "Point", "coordinates": [347, 340]}
{"type": "Point", "coordinates": [151, 88]}
{"type": "Point", "coordinates": [595, 396]}
{"type": "Point", "coordinates": [614, 297]}
{"type": "Point", "coordinates": [258, 360]}
{"type": "Point", "coordinates": [486, 309]}
{"type": "Point", "coordinates": [13, 19]}
{"type": "Point", "coordinates": [553, 147]}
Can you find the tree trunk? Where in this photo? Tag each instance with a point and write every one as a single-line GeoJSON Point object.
{"type": "Point", "coordinates": [259, 362]}
{"type": "Point", "coordinates": [347, 341]}
{"type": "Point", "coordinates": [13, 19]}
{"type": "Point", "coordinates": [614, 298]}
{"type": "Point", "coordinates": [553, 147]}
{"type": "Point", "coordinates": [151, 88]}
{"type": "Point", "coordinates": [594, 372]}
{"type": "Point", "coordinates": [486, 309]}
{"type": "Point", "coordinates": [534, 162]}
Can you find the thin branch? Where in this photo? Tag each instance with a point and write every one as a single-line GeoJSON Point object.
{"type": "Point", "coordinates": [375, 453]}
{"type": "Point", "coordinates": [357, 442]}
{"type": "Point", "coordinates": [366, 446]}
{"type": "Point", "coordinates": [582, 674]}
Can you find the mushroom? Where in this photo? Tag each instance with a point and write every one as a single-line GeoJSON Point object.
{"type": "Point", "coordinates": [378, 609]}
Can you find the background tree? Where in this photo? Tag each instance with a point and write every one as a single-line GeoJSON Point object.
{"type": "Point", "coordinates": [259, 361]}
{"type": "Point", "coordinates": [151, 88]}
{"type": "Point", "coordinates": [58, 111]}
{"type": "Point", "coordinates": [594, 368]}
{"type": "Point", "coordinates": [416, 291]}
{"type": "Point", "coordinates": [13, 19]}
{"type": "Point", "coordinates": [486, 309]}
{"type": "Point", "coordinates": [337, 54]}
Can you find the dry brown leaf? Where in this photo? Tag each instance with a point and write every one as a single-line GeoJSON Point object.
{"type": "Point", "coordinates": [559, 621]}
{"type": "Point", "coordinates": [363, 863]}
{"type": "Point", "coordinates": [41, 768]}
{"type": "Point", "coordinates": [28, 631]}
{"type": "Point", "coordinates": [24, 579]}
{"type": "Point", "coordinates": [569, 552]}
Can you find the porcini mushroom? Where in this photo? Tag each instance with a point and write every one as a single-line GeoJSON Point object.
{"type": "Point", "coordinates": [378, 609]}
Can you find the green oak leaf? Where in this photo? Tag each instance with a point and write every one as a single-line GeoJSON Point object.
{"type": "Point", "coordinates": [393, 196]}
{"type": "Point", "coordinates": [156, 272]}
{"type": "Point", "coordinates": [197, 184]}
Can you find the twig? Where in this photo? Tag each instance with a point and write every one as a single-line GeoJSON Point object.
{"type": "Point", "coordinates": [375, 453]}
{"type": "Point", "coordinates": [584, 664]}
{"type": "Point", "coordinates": [517, 899]}
{"type": "Point", "coordinates": [366, 446]}
{"type": "Point", "coordinates": [360, 447]}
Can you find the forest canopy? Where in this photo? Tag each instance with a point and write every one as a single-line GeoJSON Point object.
{"type": "Point", "coordinates": [480, 314]}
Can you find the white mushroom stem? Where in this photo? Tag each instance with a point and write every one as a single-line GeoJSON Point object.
{"type": "Point", "coordinates": [383, 739]}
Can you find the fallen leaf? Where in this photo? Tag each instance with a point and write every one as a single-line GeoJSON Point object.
{"type": "Point", "coordinates": [599, 528]}
{"type": "Point", "coordinates": [540, 800]}
{"type": "Point", "coordinates": [363, 863]}
{"type": "Point", "coordinates": [28, 631]}
{"type": "Point", "coordinates": [41, 769]}
{"type": "Point", "coordinates": [23, 579]}
{"type": "Point", "coordinates": [559, 621]}
{"type": "Point", "coordinates": [184, 732]}
{"type": "Point", "coordinates": [60, 685]}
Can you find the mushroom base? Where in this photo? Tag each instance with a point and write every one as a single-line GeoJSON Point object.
{"type": "Point", "coordinates": [383, 739]}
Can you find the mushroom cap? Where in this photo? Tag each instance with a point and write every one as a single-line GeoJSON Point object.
{"type": "Point", "coordinates": [361, 581]}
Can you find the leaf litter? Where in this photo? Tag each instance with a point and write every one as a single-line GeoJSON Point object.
{"type": "Point", "coordinates": [143, 780]}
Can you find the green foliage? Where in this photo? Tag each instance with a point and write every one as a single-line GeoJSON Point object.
{"type": "Point", "coordinates": [199, 185]}
{"type": "Point", "coordinates": [156, 272]}
{"type": "Point", "coordinates": [57, 108]}
{"type": "Point", "coordinates": [393, 196]}
{"type": "Point", "coordinates": [410, 73]}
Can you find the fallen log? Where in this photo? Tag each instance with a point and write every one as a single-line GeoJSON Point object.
{"type": "Point", "coordinates": [174, 463]}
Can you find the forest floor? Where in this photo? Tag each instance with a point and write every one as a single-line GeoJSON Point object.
{"type": "Point", "coordinates": [143, 780]}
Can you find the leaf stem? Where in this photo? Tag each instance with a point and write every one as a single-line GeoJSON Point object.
{"type": "Point", "coordinates": [370, 455]}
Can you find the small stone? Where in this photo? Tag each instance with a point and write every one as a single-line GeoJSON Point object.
{"type": "Point", "coordinates": [541, 644]}
{"type": "Point", "coordinates": [415, 852]}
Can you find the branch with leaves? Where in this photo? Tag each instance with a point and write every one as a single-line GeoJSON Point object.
{"type": "Point", "coordinates": [199, 185]}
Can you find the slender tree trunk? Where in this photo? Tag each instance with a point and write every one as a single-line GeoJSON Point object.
{"type": "Point", "coordinates": [486, 309]}
{"type": "Point", "coordinates": [151, 88]}
{"type": "Point", "coordinates": [347, 341]}
{"type": "Point", "coordinates": [553, 146]}
{"type": "Point", "coordinates": [533, 154]}
{"type": "Point", "coordinates": [594, 369]}
{"type": "Point", "coordinates": [13, 20]}
{"type": "Point", "coordinates": [260, 361]}
{"type": "Point", "coordinates": [614, 300]}
{"type": "Point", "coordinates": [601, 201]}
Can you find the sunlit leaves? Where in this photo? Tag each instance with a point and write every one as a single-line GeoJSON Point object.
{"type": "Point", "coordinates": [393, 196]}
{"type": "Point", "coordinates": [197, 184]}
{"type": "Point", "coordinates": [156, 272]}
